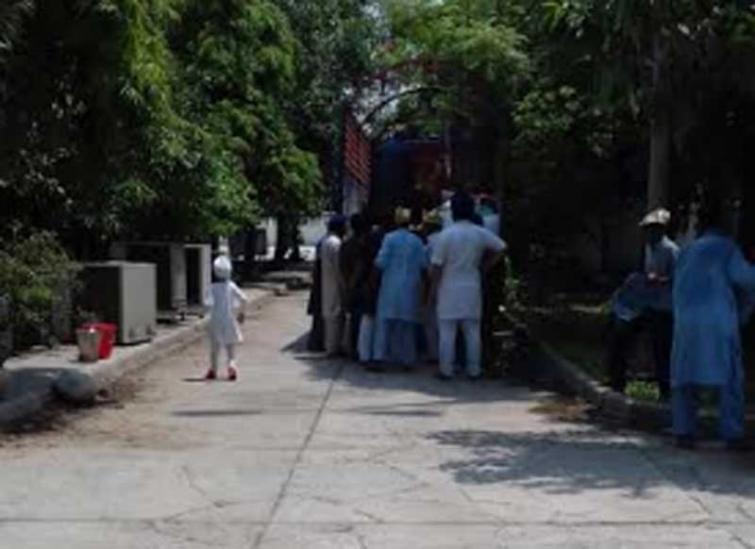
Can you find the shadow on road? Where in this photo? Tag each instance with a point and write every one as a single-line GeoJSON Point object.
{"type": "Point", "coordinates": [578, 460]}
{"type": "Point", "coordinates": [299, 345]}
{"type": "Point", "coordinates": [215, 413]}
{"type": "Point", "coordinates": [420, 380]}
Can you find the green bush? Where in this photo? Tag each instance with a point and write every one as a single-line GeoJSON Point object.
{"type": "Point", "coordinates": [35, 273]}
{"type": "Point", "coordinates": [644, 391]}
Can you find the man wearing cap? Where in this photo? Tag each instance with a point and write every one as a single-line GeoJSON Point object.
{"type": "Point", "coordinates": [333, 285]}
{"type": "Point", "coordinates": [646, 297]}
{"type": "Point", "coordinates": [403, 264]}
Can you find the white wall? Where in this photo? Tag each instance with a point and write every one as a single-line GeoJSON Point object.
{"type": "Point", "coordinates": [312, 230]}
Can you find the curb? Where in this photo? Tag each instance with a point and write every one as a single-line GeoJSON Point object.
{"type": "Point", "coordinates": [570, 378]}
{"type": "Point", "coordinates": [608, 403]}
{"type": "Point", "coordinates": [25, 406]}
{"type": "Point", "coordinates": [105, 374]}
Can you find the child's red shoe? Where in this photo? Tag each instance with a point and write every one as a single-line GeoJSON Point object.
{"type": "Point", "coordinates": [210, 375]}
{"type": "Point", "coordinates": [232, 374]}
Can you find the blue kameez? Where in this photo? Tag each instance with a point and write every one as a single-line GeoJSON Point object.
{"type": "Point", "coordinates": [713, 285]}
{"type": "Point", "coordinates": [402, 260]}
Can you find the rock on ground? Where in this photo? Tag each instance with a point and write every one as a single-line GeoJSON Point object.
{"type": "Point", "coordinates": [75, 387]}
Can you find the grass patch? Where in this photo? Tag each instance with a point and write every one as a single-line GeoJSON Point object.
{"type": "Point", "coordinates": [576, 331]}
{"type": "Point", "coordinates": [643, 391]}
{"type": "Point", "coordinates": [575, 327]}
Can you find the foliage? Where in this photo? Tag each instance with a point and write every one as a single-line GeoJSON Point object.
{"type": "Point", "coordinates": [335, 41]}
{"type": "Point", "coordinates": [12, 15]}
{"type": "Point", "coordinates": [189, 118]}
{"type": "Point", "coordinates": [687, 64]}
{"type": "Point", "coordinates": [160, 118]}
{"type": "Point", "coordinates": [238, 62]}
{"type": "Point", "coordinates": [33, 269]}
{"type": "Point", "coordinates": [89, 117]}
{"type": "Point", "coordinates": [644, 391]}
{"type": "Point", "coordinates": [473, 50]}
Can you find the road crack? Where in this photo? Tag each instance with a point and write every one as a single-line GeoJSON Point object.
{"type": "Point", "coordinates": [299, 455]}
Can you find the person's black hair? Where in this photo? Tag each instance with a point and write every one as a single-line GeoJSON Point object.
{"type": "Point", "coordinates": [337, 224]}
{"type": "Point", "coordinates": [492, 203]}
{"type": "Point", "coordinates": [462, 207]}
{"type": "Point", "coordinates": [359, 224]}
{"type": "Point", "coordinates": [713, 213]}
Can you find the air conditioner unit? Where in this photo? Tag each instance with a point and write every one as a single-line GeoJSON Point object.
{"type": "Point", "coordinates": [124, 294]}
{"type": "Point", "coordinates": [170, 260]}
{"type": "Point", "coordinates": [198, 275]}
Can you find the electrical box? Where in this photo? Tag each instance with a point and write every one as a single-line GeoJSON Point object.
{"type": "Point", "coordinates": [170, 260]}
{"type": "Point", "coordinates": [122, 293]}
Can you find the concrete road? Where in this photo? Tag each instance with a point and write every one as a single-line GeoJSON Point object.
{"type": "Point", "coordinates": [308, 453]}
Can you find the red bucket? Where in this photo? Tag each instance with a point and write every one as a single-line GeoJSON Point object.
{"type": "Point", "coordinates": [107, 341]}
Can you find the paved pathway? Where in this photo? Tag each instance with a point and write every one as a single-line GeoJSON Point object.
{"type": "Point", "coordinates": [307, 453]}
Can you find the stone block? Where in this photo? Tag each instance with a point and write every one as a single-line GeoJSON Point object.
{"type": "Point", "coordinates": [75, 387]}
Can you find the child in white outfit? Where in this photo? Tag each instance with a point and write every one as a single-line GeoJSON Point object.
{"type": "Point", "coordinates": [225, 303]}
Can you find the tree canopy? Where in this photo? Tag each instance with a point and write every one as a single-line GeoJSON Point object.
{"type": "Point", "coordinates": [588, 108]}
{"type": "Point", "coordinates": [191, 118]}
{"type": "Point", "coordinates": [178, 118]}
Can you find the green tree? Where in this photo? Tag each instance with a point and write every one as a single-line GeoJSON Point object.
{"type": "Point", "coordinates": [93, 140]}
{"type": "Point", "coordinates": [238, 69]}
{"type": "Point", "coordinates": [335, 42]}
{"type": "Point", "coordinates": [475, 57]}
{"type": "Point", "coordinates": [12, 16]}
{"type": "Point", "coordinates": [656, 56]}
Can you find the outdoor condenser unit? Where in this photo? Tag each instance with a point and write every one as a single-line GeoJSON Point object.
{"type": "Point", "coordinates": [170, 260]}
{"type": "Point", "coordinates": [198, 274]}
{"type": "Point", "coordinates": [122, 293]}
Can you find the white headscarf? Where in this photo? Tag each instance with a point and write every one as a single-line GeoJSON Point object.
{"type": "Point", "coordinates": [222, 267]}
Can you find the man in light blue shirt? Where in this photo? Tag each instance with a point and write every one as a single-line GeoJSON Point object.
{"type": "Point", "coordinates": [402, 261]}
{"type": "Point", "coordinates": [645, 299]}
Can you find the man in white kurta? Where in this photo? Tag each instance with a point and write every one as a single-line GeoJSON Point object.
{"type": "Point", "coordinates": [457, 260]}
{"type": "Point", "coordinates": [332, 285]}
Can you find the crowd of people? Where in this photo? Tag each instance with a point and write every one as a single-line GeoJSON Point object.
{"type": "Point", "coordinates": [694, 302]}
{"type": "Point", "coordinates": [397, 294]}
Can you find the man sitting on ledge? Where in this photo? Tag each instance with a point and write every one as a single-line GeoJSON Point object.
{"type": "Point", "coordinates": [645, 300]}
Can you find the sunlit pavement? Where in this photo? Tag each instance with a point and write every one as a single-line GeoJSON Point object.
{"type": "Point", "coordinates": [306, 452]}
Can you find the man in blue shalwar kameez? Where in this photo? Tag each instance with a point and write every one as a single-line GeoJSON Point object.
{"type": "Point", "coordinates": [713, 292]}
{"type": "Point", "coordinates": [403, 262]}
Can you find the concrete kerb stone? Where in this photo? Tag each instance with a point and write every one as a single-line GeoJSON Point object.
{"type": "Point", "coordinates": [610, 404]}
{"type": "Point", "coordinates": [106, 374]}
{"type": "Point", "coordinates": [567, 377]}
{"type": "Point", "coordinates": [25, 406]}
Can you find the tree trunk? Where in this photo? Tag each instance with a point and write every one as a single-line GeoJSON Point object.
{"type": "Point", "coordinates": [282, 241]}
{"type": "Point", "coordinates": [660, 131]}
{"type": "Point", "coordinates": [499, 175]}
{"type": "Point", "coordinates": [250, 253]}
{"type": "Point", "coordinates": [295, 244]}
{"type": "Point", "coordinates": [660, 150]}
{"type": "Point", "coordinates": [747, 220]}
